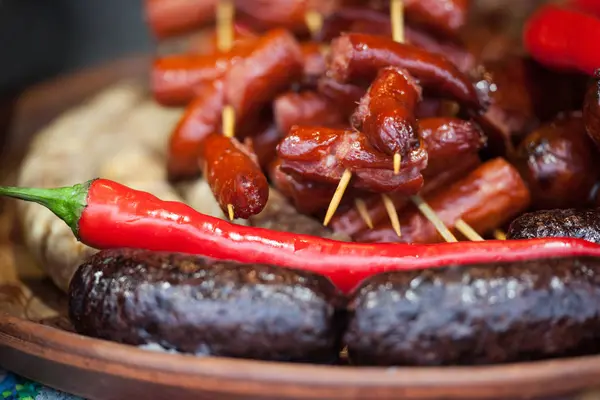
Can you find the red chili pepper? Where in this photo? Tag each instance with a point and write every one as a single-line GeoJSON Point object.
{"type": "Point", "coordinates": [104, 214]}
{"type": "Point", "coordinates": [564, 39]}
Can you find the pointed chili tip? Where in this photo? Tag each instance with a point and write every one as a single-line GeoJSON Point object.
{"type": "Point", "coordinates": [67, 202]}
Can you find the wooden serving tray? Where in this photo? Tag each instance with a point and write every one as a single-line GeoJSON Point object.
{"type": "Point", "coordinates": [36, 340]}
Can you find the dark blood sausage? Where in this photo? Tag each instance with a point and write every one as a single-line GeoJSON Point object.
{"type": "Point", "coordinates": [273, 65]}
{"type": "Point", "coordinates": [345, 95]}
{"type": "Point", "coordinates": [485, 199]}
{"type": "Point", "coordinates": [591, 111]}
{"type": "Point", "coordinates": [306, 108]}
{"type": "Point", "coordinates": [176, 78]}
{"type": "Point", "coordinates": [374, 22]}
{"type": "Point", "coordinates": [323, 154]}
{"type": "Point", "coordinates": [477, 314]}
{"type": "Point", "coordinates": [206, 307]}
{"type": "Point", "coordinates": [175, 17]}
{"type": "Point", "coordinates": [357, 58]}
{"type": "Point", "coordinates": [386, 113]}
{"type": "Point", "coordinates": [234, 176]}
{"type": "Point", "coordinates": [560, 163]}
{"type": "Point", "coordinates": [582, 224]}
{"type": "Point", "coordinates": [352, 224]}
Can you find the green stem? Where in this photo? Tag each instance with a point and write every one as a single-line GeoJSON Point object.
{"type": "Point", "coordinates": [67, 202]}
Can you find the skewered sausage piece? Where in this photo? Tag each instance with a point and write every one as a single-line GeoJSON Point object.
{"type": "Point", "coordinates": [591, 112]}
{"type": "Point", "coordinates": [323, 154]}
{"type": "Point", "coordinates": [581, 224]}
{"type": "Point", "coordinates": [357, 58]}
{"type": "Point", "coordinates": [306, 108]}
{"type": "Point", "coordinates": [477, 314]}
{"type": "Point", "coordinates": [485, 199]}
{"type": "Point", "coordinates": [206, 307]}
{"type": "Point", "coordinates": [559, 163]}
{"type": "Point", "coordinates": [386, 113]}
{"type": "Point", "coordinates": [234, 176]}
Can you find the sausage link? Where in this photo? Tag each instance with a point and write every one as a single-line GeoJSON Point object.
{"type": "Point", "coordinates": [175, 79]}
{"type": "Point", "coordinates": [591, 111]}
{"type": "Point", "coordinates": [485, 199]}
{"type": "Point", "coordinates": [305, 108]}
{"type": "Point", "coordinates": [201, 306]}
{"type": "Point", "coordinates": [477, 314]}
{"type": "Point", "coordinates": [446, 17]}
{"type": "Point", "coordinates": [234, 176]}
{"type": "Point", "coordinates": [323, 154]}
{"type": "Point", "coordinates": [345, 95]}
{"type": "Point", "coordinates": [273, 65]}
{"type": "Point", "coordinates": [357, 58]}
{"type": "Point", "coordinates": [581, 224]}
{"type": "Point", "coordinates": [386, 113]}
{"type": "Point", "coordinates": [560, 163]}
{"type": "Point", "coordinates": [176, 17]}
{"type": "Point", "coordinates": [314, 63]}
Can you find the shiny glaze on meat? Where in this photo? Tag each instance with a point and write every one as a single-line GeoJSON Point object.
{"type": "Point", "coordinates": [477, 314]}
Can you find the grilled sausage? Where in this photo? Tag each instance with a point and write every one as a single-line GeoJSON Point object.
{"type": "Point", "coordinates": [386, 113]}
{"type": "Point", "coordinates": [582, 224]}
{"type": "Point", "coordinates": [272, 66]}
{"type": "Point", "coordinates": [305, 108]}
{"type": "Point", "coordinates": [323, 154]}
{"type": "Point", "coordinates": [477, 314]}
{"type": "Point", "coordinates": [560, 163]}
{"type": "Point", "coordinates": [206, 307]}
{"type": "Point", "coordinates": [485, 199]}
{"type": "Point", "coordinates": [591, 112]}
{"type": "Point", "coordinates": [357, 58]}
{"type": "Point", "coordinates": [176, 17]}
{"type": "Point", "coordinates": [234, 176]}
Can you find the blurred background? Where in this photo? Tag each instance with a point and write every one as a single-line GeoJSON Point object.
{"type": "Point", "coordinates": [40, 39]}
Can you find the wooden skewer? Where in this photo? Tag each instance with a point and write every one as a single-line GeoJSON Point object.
{"type": "Point", "coordinates": [337, 196]}
{"type": "Point", "coordinates": [397, 21]}
{"type": "Point", "coordinates": [225, 37]}
{"type": "Point", "coordinates": [428, 212]}
{"type": "Point", "coordinates": [499, 234]}
{"type": "Point", "coordinates": [361, 207]}
{"type": "Point", "coordinates": [467, 231]}
{"type": "Point", "coordinates": [391, 210]}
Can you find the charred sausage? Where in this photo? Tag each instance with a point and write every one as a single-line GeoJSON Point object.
{"type": "Point", "coordinates": [559, 163]}
{"type": "Point", "coordinates": [273, 65]}
{"type": "Point", "coordinates": [305, 108]}
{"type": "Point", "coordinates": [591, 111]}
{"type": "Point", "coordinates": [386, 113]}
{"type": "Point", "coordinates": [477, 314]}
{"type": "Point", "coordinates": [357, 58]}
{"type": "Point", "coordinates": [485, 199]}
{"type": "Point", "coordinates": [323, 154]}
{"type": "Point", "coordinates": [234, 176]}
{"type": "Point", "coordinates": [206, 307]}
{"type": "Point", "coordinates": [582, 224]}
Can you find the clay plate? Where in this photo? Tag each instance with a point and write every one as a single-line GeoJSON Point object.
{"type": "Point", "coordinates": [36, 341]}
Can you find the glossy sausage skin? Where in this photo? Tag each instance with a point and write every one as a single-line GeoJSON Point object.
{"type": "Point", "coordinates": [477, 314]}
{"type": "Point", "coordinates": [305, 108]}
{"type": "Point", "coordinates": [351, 223]}
{"type": "Point", "coordinates": [175, 79]}
{"type": "Point", "coordinates": [445, 17]}
{"type": "Point", "coordinates": [201, 118]}
{"type": "Point", "coordinates": [591, 112]}
{"type": "Point", "coordinates": [234, 176]}
{"type": "Point", "coordinates": [357, 58]}
{"type": "Point", "coordinates": [581, 224]}
{"type": "Point", "coordinates": [485, 199]}
{"type": "Point", "coordinates": [386, 113]}
{"type": "Point", "coordinates": [205, 307]}
{"type": "Point", "coordinates": [373, 22]}
{"type": "Point", "coordinates": [323, 154]}
{"type": "Point", "coordinates": [175, 17]}
{"type": "Point", "coordinates": [273, 65]}
{"type": "Point", "coordinates": [559, 163]}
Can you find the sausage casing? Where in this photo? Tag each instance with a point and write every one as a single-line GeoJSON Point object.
{"type": "Point", "coordinates": [234, 176]}
{"type": "Point", "coordinates": [386, 113]}
{"type": "Point", "coordinates": [477, 314]}
{"type": "Point", "coordinates": [205, 307]}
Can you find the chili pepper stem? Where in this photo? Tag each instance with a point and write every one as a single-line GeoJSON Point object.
{"type": "Point", "coordinates": [67, 203]}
